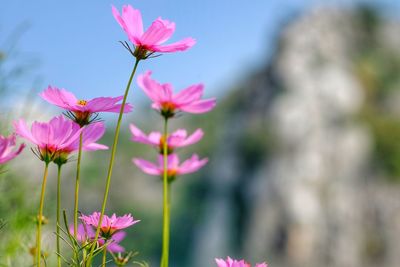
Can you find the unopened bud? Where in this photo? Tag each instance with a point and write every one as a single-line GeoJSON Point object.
{"type": "Point", "coordinates": [123, 258]}
{"type": "Point", "coordinates": [32, 252]}
{"type": "Point", "coordinates": [44, 220]}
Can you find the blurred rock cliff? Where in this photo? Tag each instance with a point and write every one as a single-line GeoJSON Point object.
{"type": "Point", "coordinates": [305, 166]}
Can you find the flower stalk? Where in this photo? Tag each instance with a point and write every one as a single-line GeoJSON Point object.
{"type": "Point", "coordinates": [77, 180]}
{"type": "Point", "coordinates": [40, 216]}
{"type": "Point", "coordinates": [104, 255]}
{"type": "Point", "coordinates": [112, 158]}
{"type": "Point", "coordinates": [58, 225]}
{"type": "Point", "coordinates": [166, 201]}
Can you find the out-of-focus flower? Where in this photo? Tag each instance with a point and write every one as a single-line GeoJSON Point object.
{"type": "Point", "coordinates": [114, 241]}
{"type": "Point", "coordinates": [86, 233]}
{"type": "Point", "coordinates": [83, 112]}
{"type": "Point", "coordinates": [90, 135]}
{"type": "Point", "coordinates": [177, 139]}
{"type": "Point", "coordinates": [50, 137]}
{"type": "Point", "coordinates": [231, 263]}
{"type": "Point", "coordinates": [188, 100]}
{"type": "Point", "coordinates": [236, 263]}
{"type": "Point", "coordinates": [109, 225]}
{"type": "Point", "coordinates": [7, 148]}
{"type": "Point", "coordinates": [153, 38]}
{"type": "Point", "coordinates": [60, 137]}
{"type": "Point", "coordinates": [174, 168]}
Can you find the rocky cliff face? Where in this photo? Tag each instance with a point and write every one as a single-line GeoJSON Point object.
{"type": "Point", "coordinates": [294, 178]}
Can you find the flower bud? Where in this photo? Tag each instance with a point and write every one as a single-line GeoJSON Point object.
{"type": "Point", "coordinates": [121, 259]}
{"type": "Point", "coordinates": [44, 220]}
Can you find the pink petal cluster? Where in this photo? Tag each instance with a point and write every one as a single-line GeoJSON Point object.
{"type": "Point", "coordinates": [179, 138]}
{"type": "Point", "coordinates": [188, 100]}
{"type": "Point", "coordinates": [60, 136]}
{"type": "Point", "coordinates": [50, 137]}
{"type": "Point", "coordinates": [90, 134]}
{"type": "Point", "coordinates": [7, 148]}
{"type": "Point", "coordinates": [83, 109]}
{"type": "Point", "coordinates": [236, 263]}
{"type": "Point", "coordinates": [153, 38]}
{"type": "Point", "coordinates": [174, 167]}
{"type": "Point", "coordinates": [109, 225]}
{"type": "Point", "coordinates": [86, 233]}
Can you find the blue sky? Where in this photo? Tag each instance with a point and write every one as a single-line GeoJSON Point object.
{"type": "Point", "coordinates": [76, 42]}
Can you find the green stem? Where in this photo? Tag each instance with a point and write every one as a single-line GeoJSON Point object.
{"type": "Point", "coordinates": [104, 256]}
{"type": "Point", "coordinates": [58, 215]}
{"type": "Point", "coordinates": [78, 175]}
{"type": "Point", "coordinates": [166, 202]}
{"type": "Point", "coordinates": [111, 164]}
{"type": "Point", "coordinates": [39, 224]}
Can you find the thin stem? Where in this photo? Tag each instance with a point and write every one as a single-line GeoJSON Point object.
{"type": "Point", "coordinates": [84, 253]}
{"type": "Point", "coordinates": [111, 164]}
{"type": "Point", "coordinates": [166, 204]}
{"type": "Point", "coordinates": [78, 175]}
{"type": "Point", "coordinates": [58, 215]}
{"type": "Point", "coordinates": [39, 225]}
{"type": "Point", "coordinates": [104, 256]}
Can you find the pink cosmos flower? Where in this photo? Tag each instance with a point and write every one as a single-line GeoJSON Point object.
{"type": "Point", "coordinates": [179, 138]}
{"type": "Point", "coordinates": [236, 263]}
{"type": "Point", "coordinates": [188, 100]}
{"type": "Point", "coordinates": [90, 135]}
{"type": "Point", "coordinates": [7, 151]}
{"type": "Point", "coordinates": [153, 38]}
{"type": "Point", "coordinates": [59, 137]}
{"type": "Point", "coordinates": [86, 234]}
{"type": "Point", "coordinates": [174, 168]}
{"type": "Point", "coordinates": [82, 110]}
{"type": "Point", "coordinates": [109, 225]}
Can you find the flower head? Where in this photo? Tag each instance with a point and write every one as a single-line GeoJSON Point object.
{"type": "Point", "coordinates": [83, 112]}
{"type": "Point", "coordinates": [7, 148]}
{"type": "Point", "coordinates": [59, 137]}
{"type": "Point", "coordinates": [177, 139]}
{"type": "Point", "coordinates": [86, 233]}
{"type": "Point", "coordinates": [50, 137]}
{"type": "Point", "coordinates": [109, 225]}
{"type": "Point", "coordinates": [90, 134]}
{"type": "Point", "coordinates": [190, 165]}
{"type": "Point", "coordinates": [236, 263]}
{"type": "Point", "coordinates": [188, 100]}
{"type": "Point", "coordinates": [153, 38]}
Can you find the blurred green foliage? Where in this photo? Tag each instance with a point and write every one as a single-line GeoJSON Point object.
{"type": "Point", "coordinates": [377, 68]}
{"type": "Point", "coordinates": [16, 205]}
{"type": "Point", "coordinates": [16, 209]}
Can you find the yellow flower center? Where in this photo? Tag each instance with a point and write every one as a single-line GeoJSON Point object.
{"type": "Point", "coordinates": [161, 146]}
{"type": "Point", "coordinates": [171, 173]}
{"type": "Point", "coordinates": [82, 102]}
{"type": "Point", "coordinates": [168, 106]}
{"type": "Point", "coordinates": [168, 109]}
